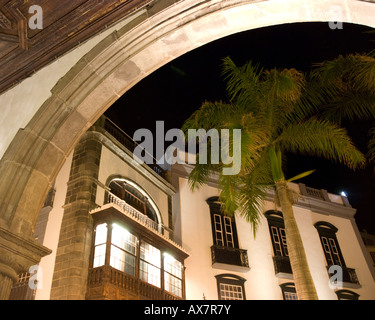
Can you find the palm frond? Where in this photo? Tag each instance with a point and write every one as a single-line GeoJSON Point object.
{"type": "Point", "coordinates": [253, 187]}
{"type": "Point", "coordinates": [201, 174]}
{"type": "Point", "coordinates": [323, 139]}
{"type": "Point", "coordinates": [242, 82]}
{"type": "Point", "coordinates": [351, 105]}
{"type": "Point", "coordinates": [364, 73]}
{"type": "Point", "coordinates": [285, 85]}
{"type": "Point", "coordinates": [344, 89]}
{"type": "Point", "coordinates": [229, 194]}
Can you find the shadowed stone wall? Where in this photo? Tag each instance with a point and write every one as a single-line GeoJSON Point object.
{"type": "Point", "coordinates": [73, 252]}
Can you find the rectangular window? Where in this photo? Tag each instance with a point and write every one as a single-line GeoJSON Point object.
{"type": "Point", "coordinates": [290, 296]}
{"type": "Point", "coordinates": [230, 292]}
{"type": "Point", "coordinates": [228, 231]}
{"type": "Point", "coordinates": [100, 245]}
{"type": "Point", "coordinates": [150, 264]}
{"type": "Point", "coordinates": [283, 241]}
{"type": "Point", "coordinates": [173, 271]}
{"type": "Point", "coordinates": [330, 251]}
{"type": "Point", "coordinates": [224, 232]}
{"type": "Point", "coordinates": [279, 241]}
{"type": "Point", "coordinates": [123, 250]}
{"type": "Point", "coordinates": [218, 230]}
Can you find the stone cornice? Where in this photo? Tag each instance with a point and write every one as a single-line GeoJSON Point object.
{"type": "Point", "coordinates": [21, 252]}
{"type": "Point", "coordinates": [304, 201]}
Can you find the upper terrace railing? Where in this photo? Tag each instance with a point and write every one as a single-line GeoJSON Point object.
{"type": "Point", "coordinates": [314, 193]}
{"type": "Point", "coordinates": [126, 141]}
{"type": "Point", "coordinates": [129, 209]}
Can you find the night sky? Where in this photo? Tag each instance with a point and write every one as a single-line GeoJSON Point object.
{"type": "Point", "coordinates": [174, 91]}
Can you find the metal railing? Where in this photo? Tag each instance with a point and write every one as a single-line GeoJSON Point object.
{"type": "Point", "coordinates": [128, 142]}
{"type": "Point", "coordinates": [282, 264]}
{"type": "Point", "coordinates": [21, 290]}
{"type": "Point", "coordinates": [229, 255]}
{"type": "Point", "coordinates": [348, 275]}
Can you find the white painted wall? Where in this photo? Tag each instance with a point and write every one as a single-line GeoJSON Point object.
{"type": "Point", "coordinates": [196, 235]}
{"type": "Point", "coordinates": [52, 233]}
{"type": "Point", "coordinates": [261, 280]}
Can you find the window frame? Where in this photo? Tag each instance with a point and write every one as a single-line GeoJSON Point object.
{"type": "Point", "coordinates": [328, 231]}
{"type": "Point", "coordinates": [123, 188]}
{"type": "Point", "coordinates": [276, 223]}
{"type": "Point", "coordinates": [150, 266]}
{"type": "Point", "coordinates": [346, 295]}
{"type": "Point", "coordinates": [228, 228]}
{"type": "Point", "coordinates": [124, 250]}
{"type": "Point", "coordinates": [178, 278]}
{"type": "Point", "coordinates": [288, 287]}
{"type": "Point", "coordinates": [109, 223]}
{"type": "Point", "coordinates": [231, 280]}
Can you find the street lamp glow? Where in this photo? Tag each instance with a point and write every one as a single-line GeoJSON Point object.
{"type": "Point", "coordinates": [343, 193]}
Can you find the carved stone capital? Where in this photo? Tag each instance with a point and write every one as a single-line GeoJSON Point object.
{"type": "Point", "coordinates": [18, 253]}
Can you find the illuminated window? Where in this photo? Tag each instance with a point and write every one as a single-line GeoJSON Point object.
{"type": "Point", "coordinates": [123, 250]}
{"type": "Point", "coordinates": [100, 245]}
{"type": "Point", "coordinates": [230, 287]}
{"type": "Point", "coordinates": [173, 271]}
{"type": "Point", "coordinates": [150, 263]}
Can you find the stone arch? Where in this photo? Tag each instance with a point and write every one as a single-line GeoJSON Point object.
{"type": "Point", "coordinates": [153, 38]}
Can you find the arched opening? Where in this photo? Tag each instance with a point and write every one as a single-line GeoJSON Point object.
{"type": "Point", "coordinates": [136, 197]}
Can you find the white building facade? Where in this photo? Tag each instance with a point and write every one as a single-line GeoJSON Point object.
{"type": "Point", "coordinates": [120, 230]}
{"type": "Point", "coordinates": [228, 261]}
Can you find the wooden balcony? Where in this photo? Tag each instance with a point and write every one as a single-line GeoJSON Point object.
{"type": "Point", "coordinates": [229, 256]}
{"type": "Point", "coordinates": [349, 277]}
{"type": "Point", "coordinates": [282, 266]}
{"type": "Point", "coordinates": [107, 283]}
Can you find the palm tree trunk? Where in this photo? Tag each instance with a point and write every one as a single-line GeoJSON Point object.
{"type": "Point", "coordinates": [305, 287]}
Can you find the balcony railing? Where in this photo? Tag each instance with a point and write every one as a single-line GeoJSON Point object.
{"type": "Point", "coordinates": [127, 142]}
{"type": "Point", "coordinates": [22, 290]}
{"type": "Point", "coordinates": [228, 255]}
{"type": "Point", "coordinates": [134, 213]}
{"type": "Point", "coordinates": [282, 265]}
{"type": "Point", "coordinates": [314, 193]}
{"type": "Point", "coordinates": [348, 275]}
{"type": "Point", "coordinates": [108, 283]}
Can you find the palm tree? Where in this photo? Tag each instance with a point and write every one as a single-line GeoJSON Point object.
{"type": "Point", "coordinates": [343, 89]}
{"type": "Point", "coordinates": [270, 109]}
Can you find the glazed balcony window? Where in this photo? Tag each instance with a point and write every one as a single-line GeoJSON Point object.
{"type": "Point", "coordinates": [132, 256]}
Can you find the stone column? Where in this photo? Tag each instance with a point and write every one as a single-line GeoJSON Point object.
{"type": "Point", "coordinates": [7, 277]}
{"type": "Point", "coordinates": [74, 248]}
{"type": "Point", "coordinates": [25, 178]}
